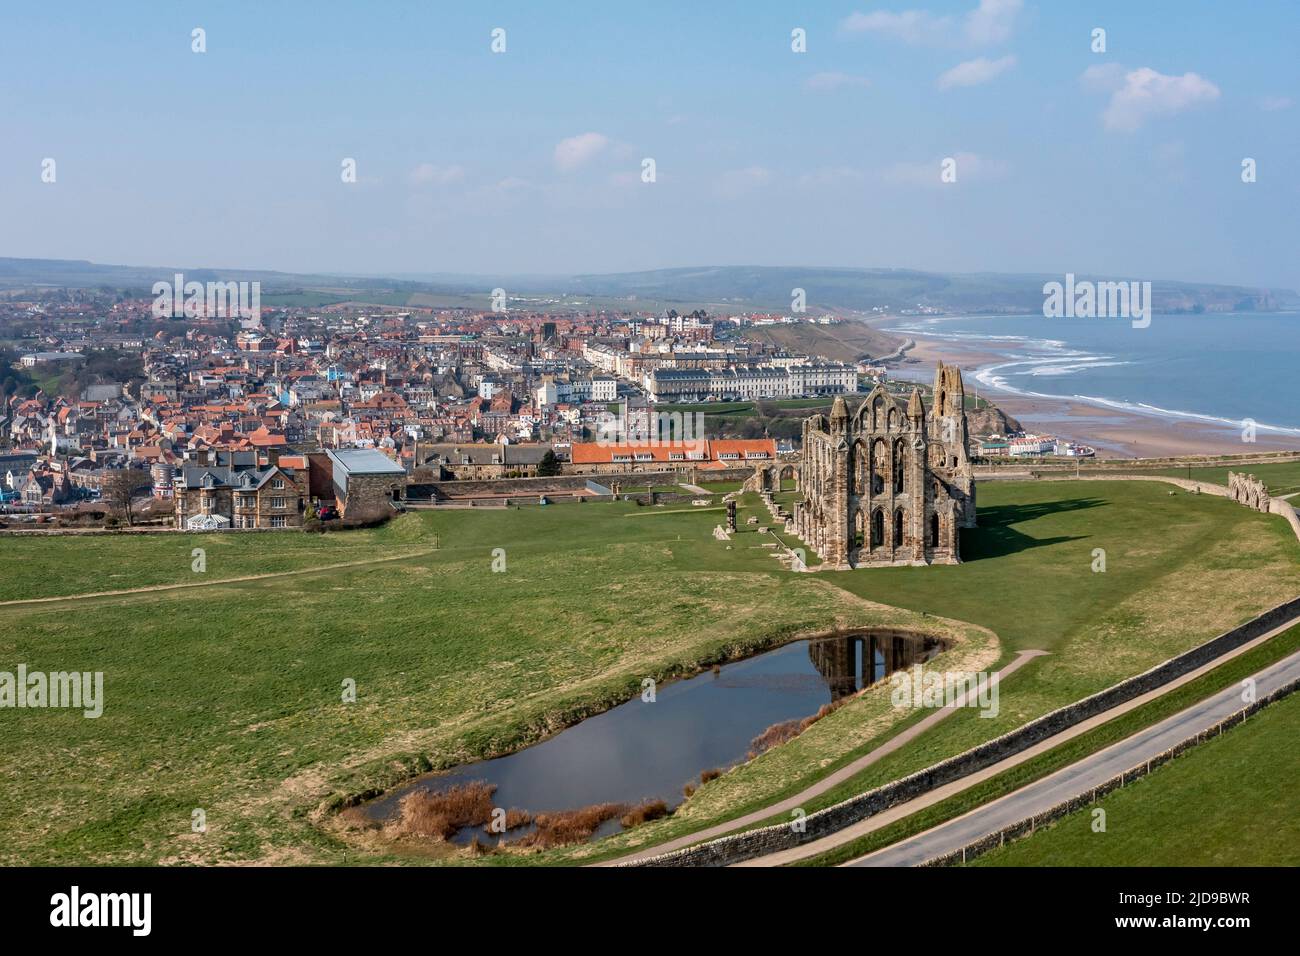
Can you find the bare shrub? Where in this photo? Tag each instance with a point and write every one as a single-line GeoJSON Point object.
{"type": "Point", "coordinates": [644, 813]}
{"type": "Point", "coordinates": [571, 826]}
{"type": "Point", "coordinates": [774, 736]}
{"type": "Point", "coordinates": [439, 814]}
{"type": "Point", "coordinates": [516, 818]}
{"type": "Point", "coordinates": [787, 730]}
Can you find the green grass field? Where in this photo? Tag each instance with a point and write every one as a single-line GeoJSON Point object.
{"type": "Point", "coordinates": [1229, 802]}
{"type": "Point", "coordinates": [37, 567]}
{"type": "Point", "coordinates": [1225, 675]}
{"type": "Point", "coordinates": [1027, 575]}
{"type": "Point", "coordinates": [1281, 478]}
{"type": "Point", "coordinates": [227, 697]}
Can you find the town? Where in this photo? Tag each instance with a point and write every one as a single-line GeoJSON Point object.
{"type": "Point", "coordinates": [211, 419]}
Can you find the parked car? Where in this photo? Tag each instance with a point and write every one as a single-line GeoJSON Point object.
{"type": "Point", "coordinates": [328, 513]}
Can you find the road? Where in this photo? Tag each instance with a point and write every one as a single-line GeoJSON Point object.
{"type": "Point", "coordinates": [1079, 778]}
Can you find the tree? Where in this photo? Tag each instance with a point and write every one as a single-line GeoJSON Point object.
{"type": "Point", "coordinates": [549, 466]}
{"type": "Point", "coordinates": [118, 488]}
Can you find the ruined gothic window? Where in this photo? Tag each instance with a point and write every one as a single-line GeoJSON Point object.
{"type": "Point", "coordinates": [877, 407]}
{"type": "Point", "coordinates": [898, 467]}
{"type": "Point", "coordinates": [934, 531]}
{"type": "Point", "coordinates": [858, 529]}
{"type": "Point", "coordinates": [879, 466]}
{"type": "Point", "coordinates": [877, 528]}
{"type": "Point", "coordinates": [898, 529]}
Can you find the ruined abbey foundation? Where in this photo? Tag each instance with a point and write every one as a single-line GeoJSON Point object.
{"type": "Point", "coordinates": [888, 485]}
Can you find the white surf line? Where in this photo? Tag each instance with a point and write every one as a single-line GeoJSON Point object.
{"type": "Point", "coordinates": [1068, 361]}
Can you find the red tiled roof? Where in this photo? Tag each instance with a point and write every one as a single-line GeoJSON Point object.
{"type": "Point", "coordinates": [756, 449]}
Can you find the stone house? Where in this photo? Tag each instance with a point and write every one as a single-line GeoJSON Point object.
{"type": "Point", "coordinates": [217, 497]}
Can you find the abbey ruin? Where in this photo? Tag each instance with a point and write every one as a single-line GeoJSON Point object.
{"type": "Point", "coordinates": [888, 485]}
{"type": "Point", "coordinates": [1248, 490]}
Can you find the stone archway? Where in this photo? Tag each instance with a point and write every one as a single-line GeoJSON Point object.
{"type": "Point", "coordinates": [784, 473]}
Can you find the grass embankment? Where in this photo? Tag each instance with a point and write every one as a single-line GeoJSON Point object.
{"type": "Point", "coordinates": [49, 566]}
{"type": "Point", "coordinates": [1228, 802]}
{"type": "Point", "coordinates": [228, 697]}
{"type": "Point", "coordinates": [1071, 751]}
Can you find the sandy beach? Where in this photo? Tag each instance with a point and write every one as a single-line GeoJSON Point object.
{"type": "Point", "coordinates": [1114, 433]}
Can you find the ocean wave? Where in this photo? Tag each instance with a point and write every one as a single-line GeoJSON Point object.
{"type": "Point", "coordinates": [1026, 358]}
{"type": "Point", "coordinates": [1158, 412]}
{"type": "Point", "coordinates": [995, 377]}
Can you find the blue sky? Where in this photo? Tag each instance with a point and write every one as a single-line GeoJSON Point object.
{"type": "Point", "coordinates": [1126, 163]}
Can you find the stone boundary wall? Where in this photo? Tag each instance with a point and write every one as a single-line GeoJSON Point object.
{"type": "Point", "coordinates": [1279, 506]}
{"type": "Point", "coordinates": [749, 844]}
{"type": "Point", "coordinates": [1204, 487]}
{"type": "Point", "coordinates": [153, 529]}
{"type": "Point", "coordinates": [1196, 461]}
{"type": "Point", "coordinates": [1027, 826]}
{"type": "Point", "coordinates": [518, 489]}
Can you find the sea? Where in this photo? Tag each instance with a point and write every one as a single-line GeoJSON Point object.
{"type": "Point", "coordinates": [1219, 369]}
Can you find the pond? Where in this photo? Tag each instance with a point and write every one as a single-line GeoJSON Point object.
{"type": "Point", "coordinates": [641, 751]}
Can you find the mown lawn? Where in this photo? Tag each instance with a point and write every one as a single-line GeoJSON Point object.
{"type": "Point", "coordinates": [47, 566]}
{"type": "Point", "coordinates": [228, 698]}
{"type": "Point", "coordinates": [1229, 802]}
{"type": "Point", "coordinates": [1281, 478]}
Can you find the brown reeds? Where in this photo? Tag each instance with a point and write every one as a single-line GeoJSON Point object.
{"type": "Point", "coordinates": [644, 813]}
{"type": "Point", "coordinates": [439, 814]}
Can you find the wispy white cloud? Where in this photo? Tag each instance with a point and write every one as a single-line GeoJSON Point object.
{"type": "Point", "coordinates": [974, 72]}
{"type": "Point", "coordinates": [1139, 95]}
{"type": "Point", "coordinates": [428, 173]}
{"type": "Point", "coordinates": [834, 177]}
{"type": "Point", "coordinates": [991, 22]}
{"type": "Point", "coordinates": [574, 151]}
{"type": "Point", "coordinates": [969, 167]}
{"type": "Point", "coordinates": [832, 81]}
{"type": "Point", "coordinates": [737, 182]}
{"type": "Point", "coordinates": [1271, 104]}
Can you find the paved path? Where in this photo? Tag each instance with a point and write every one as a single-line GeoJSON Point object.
{"type": "Point", "coordinates": [939, 794]}
{"type": "Point", "coordinates": [827, 782]}
{"type": "Point", "coordinates": [215, 583]}
{"type": "Point", "coordinates": [694, 489]}
{"type": "Point", "coordinates": [1077, 779]}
